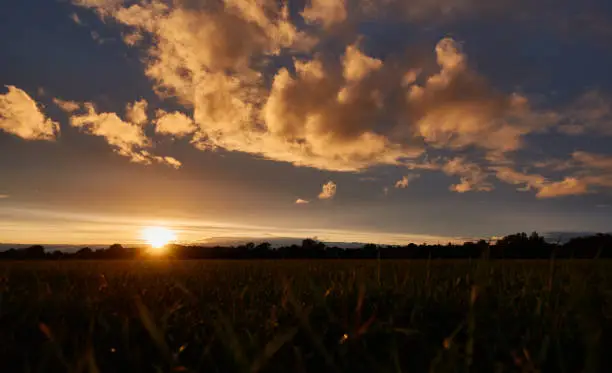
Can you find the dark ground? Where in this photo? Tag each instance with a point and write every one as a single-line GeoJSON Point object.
{"type": "Point", "coordinates": [305, 316]}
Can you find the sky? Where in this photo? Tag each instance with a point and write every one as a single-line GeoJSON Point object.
{"type": "Point", "coordinates": [388, 121]}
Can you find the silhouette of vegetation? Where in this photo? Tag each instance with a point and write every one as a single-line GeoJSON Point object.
{"type": "Point", "coordinates": [515, 246]}
{"type": "Point", "coordinates": [305, 315]}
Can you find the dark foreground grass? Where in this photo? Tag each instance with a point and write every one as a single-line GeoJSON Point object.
{"type": "Point", "coordinates": [305, 316]}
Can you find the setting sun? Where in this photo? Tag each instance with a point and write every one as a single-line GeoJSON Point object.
{"type": "Point", "coordinates": [158, 237]}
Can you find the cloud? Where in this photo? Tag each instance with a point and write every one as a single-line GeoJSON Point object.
{"type": "Point", "coordinates": [511, 176]}
{"type": "Point", "coordinates": [126, 138]}
{"type": "Point", "coordinates": [590, 113]}
{"type": "Point", "coordinates": [357, 66]}
{"type": "Point", "coordinates": [4, 196]}
{"type": "Point", "coordinates": [405, 180]}
{"type": "Point", "coordinates": [592, 160]}
{"type": "Point", "coordinates": [328, 191]}
{"type": "Point", "coordinates": [300, 201]}
{"type": "Point", "coordinates": [426, 164]}
{"type": "Point", "coordinates": [326, 12]}
{"type": "Point", "coordinates": [67, 106]}
{"type": "Point", "coordinates": [175, 124]}
{"type": "Point", "coordinates": [260, 80]}
{"type": "Point", "coordinates": [342, 112]}
{"type": "Point", "coordinates": [75, 18]}
{"type": "Point", "coordinates": [472, 176]}
{"type": "Point", "coordinates": [137, 112]}
{"type": "Point", "coordinates": [145, 157]}
{"type": "Point", "coordinates": [457, 108]}
{"type": "Point", "coordinates": [545, 188]}
{"type": "Point", "coordinates": [123, 136]}
{"type": "Point", "coordinates": [20, 115]}
{"type": "Point", "coordinates": [566, 187]}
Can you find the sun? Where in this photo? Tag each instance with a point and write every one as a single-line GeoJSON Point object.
{"type": "Point", "coordinates": [158, 237]}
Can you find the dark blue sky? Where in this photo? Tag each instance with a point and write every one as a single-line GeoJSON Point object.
{"type": "Point", "coordinates": [506, 126]}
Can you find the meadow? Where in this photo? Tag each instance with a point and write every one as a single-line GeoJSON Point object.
{"type": "Point", "coordinates": [306, 316]}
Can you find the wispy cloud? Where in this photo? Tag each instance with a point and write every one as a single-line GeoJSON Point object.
{"type": "Point", "coordinates": [300, 201]}
{"type": "Point", "coordinates": [67, 106]}
{"type": "Point", "coordinates": [75, 18]}
{"type": "Point", "coordinates": [591, 112]}
{"type": "Point", "coordinates": [472, 177]}
{"type": "Point", "coordinates": [4, 196]}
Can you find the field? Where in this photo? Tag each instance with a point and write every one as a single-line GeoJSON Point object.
{"type": "Point", "coordinates": [305, 316]}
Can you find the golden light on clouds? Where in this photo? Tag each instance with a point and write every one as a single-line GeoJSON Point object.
{"type": "Point", "coordinates": [158, 237]}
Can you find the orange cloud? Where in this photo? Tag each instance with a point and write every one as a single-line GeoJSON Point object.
{"type": "Point", "coordinates": [405, 181]}
{"type": "Point", "coordinates": [545, 188]}
{"type": "Point", "coordinates": [325, 12]}
{"type": "Point", "coordinates": [315, 117]}
{"type": "Point", "coordinates": [20, 115]}
{"type": "Point", "coordinates": [126, 138]}
{"type": "Point", "coordinates": [472, 177]}
{"type": "Point", "coordinates": [344, 112]}
{"type": "Point", "coordinates": [328, 191]}
{"type": "Point", "coordinates": [593, 160]}
{"type": "Point", "coordinates": [175, 124]}
{"type": "Point", "coordinates": [67, 106]}
{"type": "Point", "coordinates": [137, 112]}
{"type": "Point", "coordinates": [457, 108]}
{"type": "Point", "coordinates": [566, 187]}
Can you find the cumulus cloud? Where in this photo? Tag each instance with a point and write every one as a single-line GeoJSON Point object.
{"type": "Point", "coordinates": [472, 176]}
{"type": "Point", "coordinates": [341, 113]}
{"type": "Point", "coordinates": [405, 181]}
{"type": "Point", "coordinates": [20, 115]}
{"type": "Point", "coordinates": [258, 81]}
{"type": "Point", "coordinates": [300, 201]}
{"type": "Point", "coordinates": [136, 112]}
{"type": "Point", "coordinates": [457, 108]}
{"type": "Point", "coordinates": [328, 191]}
{"type": "Point", "coordinates": [175, 124]}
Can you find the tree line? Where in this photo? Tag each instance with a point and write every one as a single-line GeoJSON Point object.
{"type": "Point", "coordinates": [515, 246]}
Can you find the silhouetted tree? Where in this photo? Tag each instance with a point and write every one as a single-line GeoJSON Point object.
{"type": "Point", "coordinates": [35, 252]}
{"type": "Point", "coordinates": [519, 246]}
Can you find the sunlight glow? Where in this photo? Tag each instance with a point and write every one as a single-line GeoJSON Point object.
{"type": "Point", "coordinates": [158, 237]}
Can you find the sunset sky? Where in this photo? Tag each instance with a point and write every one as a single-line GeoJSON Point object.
{"type": "Point", "coordinates": [383, 121]}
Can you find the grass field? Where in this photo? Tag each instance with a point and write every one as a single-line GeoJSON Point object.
{"type": "Point", "coordinates": [305, 316]}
